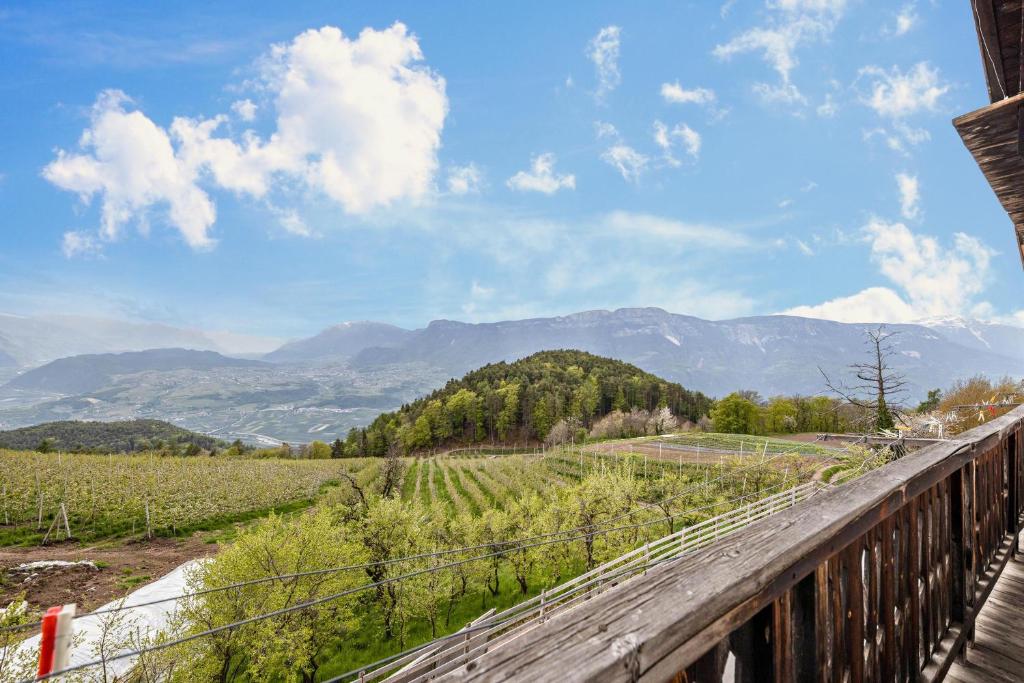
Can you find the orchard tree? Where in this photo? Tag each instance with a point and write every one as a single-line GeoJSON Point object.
{"type": "Point", "coordinates": [389, 529]}
{"type": "Point", "coordinates": [295, 642]}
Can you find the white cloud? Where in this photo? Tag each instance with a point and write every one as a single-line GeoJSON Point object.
{"type": "Point", "coordinates": [680, 134]}
{"type": "Point", "coordinates": [833, 6]}
{"type": "Point", "coordinates": [828, 109]}
{"type": "Point", "coordinates": [478, 291]}
{"type": "Point", "coordinates": [626, 160]}
{"type": "Point", "coordinates": [791, 25]}
{"type": "Point", "coordinates": [465, 179]}
{"type": "Point", "coordinates": [933, 280]}
{"type": "Point", "coordinates": [896, 94]}
{"type": "Point", "coordinates": [128, 160]}
{"type": "Point", "coordinates": [358, 120]}
{"type": "Point", "coordinates": [910, 196]}
{"type": "Point", "coordinates": [804, 248]}
{"type": "Point", "coordinates": [673, 92]}
{"type": "Point", "coordinates": [936, 280]}
{"type": "Point", "coordinates": [603, 51]}
{"type": "Point", "coordinates": [783, 93]}
{"type": "Point", "coordinates": [603, 129]}
{"type": "Point", "coordinates": [478, 294]}
{"type": "Point", "coordinates": [246, 109]}
{"type": "Point", "coordinates": [79, 244]}
{"type": "Point", "coordinates": [872, 305]}
{"type": "Point", "coordinates": [900, 137]}
{"type": "Point", "coordinates": [293, 223]}
{"type": "Point", "coordinates": [685, 263]}
{"type": "Point", "coordinates": [542, 177]}
{"type": "Point", "coordinates": [669, 231]}
{"type": "Point", "coordinates": [906, 20]}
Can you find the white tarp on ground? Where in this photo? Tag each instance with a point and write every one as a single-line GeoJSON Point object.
{"type": "Point", "coordinates": [150, 618]}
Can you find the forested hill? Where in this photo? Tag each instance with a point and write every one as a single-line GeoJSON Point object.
{"type": "Point", "coordinates": [107, 437]}
{"type": "Point", "coordinates": [523, 401]}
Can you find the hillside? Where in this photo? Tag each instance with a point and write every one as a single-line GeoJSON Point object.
{"type": "Point", "coordinates": [90, 372]}
{"type": "Point", "coordinates": [523, 401]}
{"type": "Point", "coordinates": [103, 437]}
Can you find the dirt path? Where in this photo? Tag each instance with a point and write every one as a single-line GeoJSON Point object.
{"type": "Point", "coordinates": [121, 568]}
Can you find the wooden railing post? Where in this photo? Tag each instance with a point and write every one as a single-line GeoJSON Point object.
{"type": "Point", "coordinates": [710, 667]}
{"type": "Point", "coordinates": [1013, 486]}
{"type": "Point", "coordinates": [806, 631]}
{"type": "Point", "coordinates": [959, 530]}
{"type": "Point", "coordinates": [752, 646]}
{"type": "Point", "coordinates": [969, 474]}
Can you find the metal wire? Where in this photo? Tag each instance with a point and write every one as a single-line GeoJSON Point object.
{"type": "Point", "coordinates": [517, 543]}
{"type": "Point", "coordinates": [350, 591]}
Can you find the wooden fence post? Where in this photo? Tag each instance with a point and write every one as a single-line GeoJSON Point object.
{"type": "Point", "coordinates": [959, 562]}
{"type": "Point", "coordinates": [805, 631]}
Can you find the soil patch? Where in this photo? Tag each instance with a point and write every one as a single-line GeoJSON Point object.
{"type": "Point", "coordinates": [119, 569]}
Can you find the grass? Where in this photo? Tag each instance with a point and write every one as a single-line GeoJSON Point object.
{"type": "Point", "coordinates": [409, 482]}
{"type": "Point", "coordinates": [425, 481]}
{"type": "Point", "coordinates": [440, 488]}
{"type": "Point", "coordinates": [745, 442]}
{"type": "Point", "coordinates": [485, 491]}
{"type": "Point", "coordinates": [461, 492]}
{"type": "Point", "coordinates": [129, 580]}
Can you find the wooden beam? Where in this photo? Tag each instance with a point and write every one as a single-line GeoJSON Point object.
{"type": "Point", "coordinates": [1020, 131]}
{"type": "Point", "coordinates": [991, 54]}
{"type": "Point", "coordinates": [1020, 55]}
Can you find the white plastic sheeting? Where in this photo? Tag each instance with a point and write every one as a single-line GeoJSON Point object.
{"type": "Point", "coordinates": [148, 619]}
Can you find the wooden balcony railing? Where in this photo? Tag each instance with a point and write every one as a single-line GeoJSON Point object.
{"type": "Point", "coordinates": [877, 580]}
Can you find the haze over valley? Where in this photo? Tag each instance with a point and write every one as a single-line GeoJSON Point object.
{"type": "Point", "coordinates": [320, 387]}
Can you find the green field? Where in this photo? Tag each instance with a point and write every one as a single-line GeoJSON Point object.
{"type": "Point", "coordinates": [108, 496]}
{"type": "Point", "coordinates": [745, 443]}
{"type": "Point", "coordinates": [447, 503]}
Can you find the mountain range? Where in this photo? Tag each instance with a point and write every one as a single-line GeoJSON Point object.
{"type": "Point", "coordinates": [320, 386]}
{"type": "Point", "coordinates": [27, 341]}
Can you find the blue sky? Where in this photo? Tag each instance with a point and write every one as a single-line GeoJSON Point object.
{"type": "Point", "coordinates": [274, 170]}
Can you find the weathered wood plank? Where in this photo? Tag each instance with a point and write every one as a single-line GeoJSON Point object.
{"type": "Point", "coordinates": [998, 654]}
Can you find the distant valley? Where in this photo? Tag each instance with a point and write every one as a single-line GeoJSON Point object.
{"type": "Point", "coordinates": [319, 387]}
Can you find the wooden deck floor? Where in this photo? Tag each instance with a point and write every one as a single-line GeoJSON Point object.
{"type": "Point", "coordinates": [998, 652]}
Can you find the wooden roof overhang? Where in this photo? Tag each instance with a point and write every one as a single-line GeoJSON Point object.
{"type": "Point", "coordinates": [995, 134]}
{"type": "Point", "coordinates": [995, 138]}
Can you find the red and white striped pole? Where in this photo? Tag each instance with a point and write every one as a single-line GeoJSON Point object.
{"type": "Point", "coordinates": [55, 644]}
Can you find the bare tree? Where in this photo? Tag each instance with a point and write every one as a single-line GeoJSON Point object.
{"type": "Point", "coordinates": [878, 388]}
